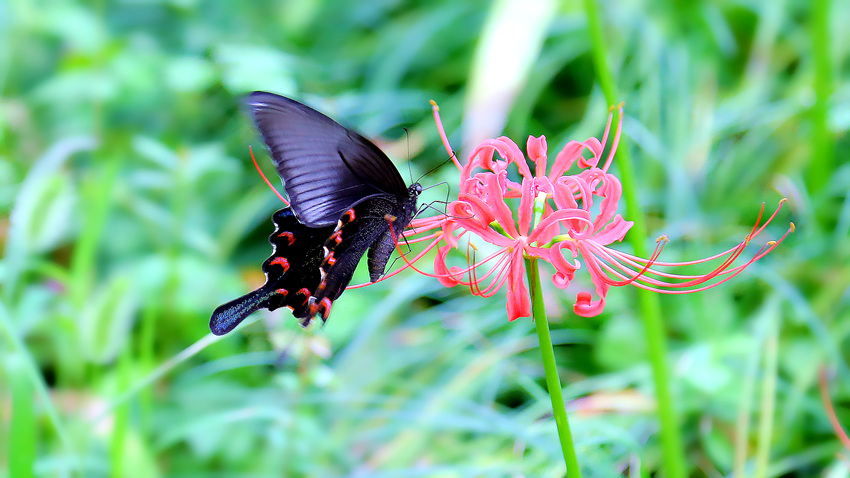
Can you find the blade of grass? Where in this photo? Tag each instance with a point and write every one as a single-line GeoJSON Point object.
{"type": "Point", "coordinates": [95, 207]}
{"type": "Point", "coordinates": [745, 409]}
{"type": "Point", "coordinates": [23, 426]}
{"type": "Point", "coordinates": [822, 144]}
{"type": "Point", "coordinates": [23, 211]}
{"type": "Point", "coordinates": [147, 358]}
{"type": "Point", "coordinates": [168, 366]}
{"type": "Point", "coordinates": [122, 417]}
{"type": "Point", "coordinates": [28, 366]}
{"type": "Point", "coordinates": [768, 396]}
{"type": "Point", "coordinates": [650, 309]}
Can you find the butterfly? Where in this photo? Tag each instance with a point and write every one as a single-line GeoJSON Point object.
{"type": "Point", "coordinates": [346, 198]}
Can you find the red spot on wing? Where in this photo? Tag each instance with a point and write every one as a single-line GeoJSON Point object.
{"type": "Point", "coordinates": [325, 308]}
{"type": "Point", "coordinates": [348, 216]}
{"type": "Point", "coordinates": [306, 293]}
{"type": "Point", "coordinates": [288, 236]}
{"type": "Point", "coordinates": [330, 259]}
{"type": "Point", "coordinates": [281, 261]}
{"type": "Point", "coordinates": [282, 292]}
{"type": "Point", "coordinates": [336, 236]}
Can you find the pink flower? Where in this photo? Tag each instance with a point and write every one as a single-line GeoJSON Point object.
{"type": "Point", "coordinates": [556, 217]}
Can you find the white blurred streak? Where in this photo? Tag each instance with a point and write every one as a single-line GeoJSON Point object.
{"type": "Point", "coordinates": [510, 43]}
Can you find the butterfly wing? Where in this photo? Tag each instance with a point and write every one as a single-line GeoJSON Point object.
{"type": "Point", "coordinates": [363, 226]}
{"type": "Point", "coordinates": [325, 167]}
{"type": "Point", "coordinates": [292, 274]}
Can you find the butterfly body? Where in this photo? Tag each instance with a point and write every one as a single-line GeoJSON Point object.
{"type": "Point", "coordinates": [346, 197]}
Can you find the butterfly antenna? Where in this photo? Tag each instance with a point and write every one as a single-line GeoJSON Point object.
{"type": "Point", "coordinates": [263, 175]}
{"type": "Point", "coordinates": [409, 168]}
{"type": "Point", "coordinates": [450, 158]}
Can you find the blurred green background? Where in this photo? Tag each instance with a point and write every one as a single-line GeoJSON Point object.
{"type": "Point", "coordinates": [130, 210]}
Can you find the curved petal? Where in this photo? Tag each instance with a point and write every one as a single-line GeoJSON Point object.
{"type": "Point", "coordinates": [595, 147]}
{"type": "Point", "coordinates": [565, 189]}
{"type": "Point", "coordinates": [585, 307]}
{"type": "Point", "coordinates": [447, 232]}
{"type": "Point", "coordinates": [536, 148]}
{"type": "Point", "coordinates": [441, 270]}
{"type": "Point", "coordinates": [564, 269]}
{"type": "Point", "coordinates": [614, 231]}
{"type": "Point", "coordinates": [482, 157]}
{"type": "Point", "coordinates": [571, 217]}
{"type": "Point", "coordinates": [503, 214]}
{"type": "Point", "coordinates": [609, 188]}
{"type": "Point", "coordinates": [526, 206]}
{"type": "Point", "coordinates": [514, 155]}
{"type": "Point", "coordinates": [471, 208]}
{"type": "Point", "coordinates": [519, 302]}
{"type": "Point", "coordinates": [565, 159]}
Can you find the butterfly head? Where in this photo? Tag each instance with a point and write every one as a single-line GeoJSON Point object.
{"type": "Point", "coordinates": [414, 190]}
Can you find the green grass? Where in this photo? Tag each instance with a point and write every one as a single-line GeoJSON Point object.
{"type": "Point", "coordinates": [130, 210]}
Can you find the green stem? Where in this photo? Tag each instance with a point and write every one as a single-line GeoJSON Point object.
{"type": "Point", "coordinates": [36, 378]}
{"type": "Point", "coordinates": [822, 143]}
{"type": "Point", "coordinates": [23, 425]}
{"type": "Point", "coordinates": [553, 383]}
{"type": "Point", "coordinates": [121, 420]}
{"type": "Point", "coordinates": [650, 309]}
{"type": "Point", "coordinates": [768, 398]}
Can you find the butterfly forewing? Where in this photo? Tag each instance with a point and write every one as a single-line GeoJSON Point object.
{"type": "Point", "coordinates": [325, 167]}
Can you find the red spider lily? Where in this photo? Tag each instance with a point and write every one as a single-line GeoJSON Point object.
{"type": "Point", "coordinates": [556, 217]}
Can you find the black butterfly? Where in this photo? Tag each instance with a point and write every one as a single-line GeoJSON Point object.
{"type": "Point", "coordinates": [344, 193]}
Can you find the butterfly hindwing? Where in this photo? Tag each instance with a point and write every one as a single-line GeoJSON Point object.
{"type": "Point", "coordinates": [292, 274]}
{"type": "Point", "coordinates": [364, 226]}
{"type": "Point", "coordinates": [325, 167]}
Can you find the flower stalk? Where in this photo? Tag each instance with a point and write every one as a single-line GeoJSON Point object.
{"type": "Point", "coordinates": [550, 368]}
{"type": "Point", "coordinates": [672, 449]}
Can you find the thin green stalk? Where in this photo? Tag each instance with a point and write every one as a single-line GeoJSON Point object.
{"type": "Point", "coordinates": [147, 359]}
{"type": "Point", "coordinates": [122, 416]}
{"type": "Point", "coordinates": [650, 309]}
{"type": "Point", "coordinates": [822, 143]}
{"type": "Point", "coordinates": [96, 205]}
{"type": "Point", "coordinates": [26, 363]}
{"type": "Point", "coordinates": [23, 425]}
{"type": "Point", "coordinates": [553, 383]}
{"type": "Point", "coordinates": [768, 400]}
{"type": "Point", "coordinates": [164, 369]}
{"type": "Point", "coordinates": [745, 410]}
